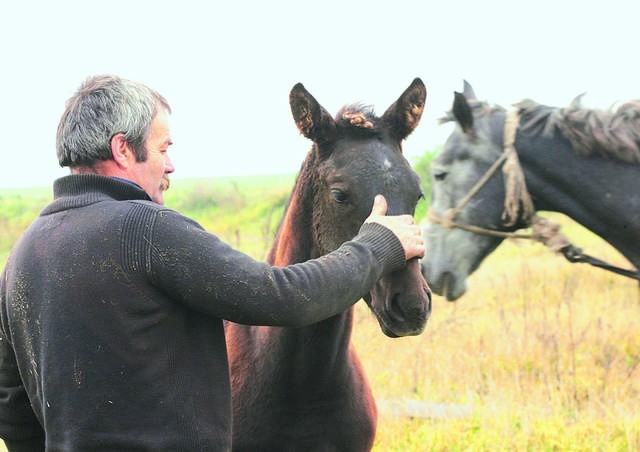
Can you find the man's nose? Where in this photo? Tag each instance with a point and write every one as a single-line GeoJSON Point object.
{"type": "Point", "coordinates": [168, 166]}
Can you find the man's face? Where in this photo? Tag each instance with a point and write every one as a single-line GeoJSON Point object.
{"type": "Point", "coordinates": [153, 174]}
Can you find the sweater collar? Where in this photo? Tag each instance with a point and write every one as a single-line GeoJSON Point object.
{"type": "Point", "coordinates": [78, 190]}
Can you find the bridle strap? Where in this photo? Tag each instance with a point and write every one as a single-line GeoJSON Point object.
{"type": "Point", "coordinates": [448, 223]}
{"type": "Point", "coordinates": [452, 213]}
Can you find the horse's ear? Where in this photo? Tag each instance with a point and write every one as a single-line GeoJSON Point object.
{"type": "Point", "coordinates": [467, 90]}
{"type": "Point", "coordinates": [576, 103]}
{"type": "Point", "coordinates": [463, 113]}
{"type": "Point", "coordinates": [312, 120]}
{"type": "Point", "coordinates": [404, 114]}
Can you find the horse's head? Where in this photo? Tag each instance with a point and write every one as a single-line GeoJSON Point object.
{"type": "Point", "coordinates": [459, 197]}
{"type": "Point", "coordinates": [354, 157]}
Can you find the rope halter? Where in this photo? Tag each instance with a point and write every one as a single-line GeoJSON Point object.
{"type": "Point", "coordinates": [516, 194]}
{"type": "Point", "coordinates": [518, 203]}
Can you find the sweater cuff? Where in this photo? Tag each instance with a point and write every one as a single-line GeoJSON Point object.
{"type": "Point", "coordinates": [385, 245]}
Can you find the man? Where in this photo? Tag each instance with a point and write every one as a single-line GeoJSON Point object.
{"type": "Point", "coordinates": [111, 305]}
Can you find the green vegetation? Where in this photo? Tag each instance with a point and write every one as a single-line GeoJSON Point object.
{"type": "Point", "coordinates": [18, 208]}
{"type": "Point", "coordinates": [422, 166]}
{"type": "Point", "coordinates": [540, 354]}
{"type": "Point", "coordinates": [244, 212]}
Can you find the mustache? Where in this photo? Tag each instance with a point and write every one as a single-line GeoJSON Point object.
{"type": "Point", "coordinates": [165, 183]}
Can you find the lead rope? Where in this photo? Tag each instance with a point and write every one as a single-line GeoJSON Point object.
{"type": "Point", "coordinates": [548, 233]}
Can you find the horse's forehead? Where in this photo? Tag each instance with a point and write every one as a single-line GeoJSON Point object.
{"type": "Point", "coordinates": [456, 147]}
{"type": "Point", "coordinates": [369, 159]}
{"type": "Point", "coordinates": [482, 147]}
{"type": "Point", "coordinates": [375, 149]}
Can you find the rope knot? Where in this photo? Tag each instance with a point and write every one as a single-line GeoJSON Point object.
{"type": "Point", "coordinates": [448, 217]}
{"type": "Point", "coordinates": [517, 199]}
{"type": "Point", "coordinates": [548, 233]}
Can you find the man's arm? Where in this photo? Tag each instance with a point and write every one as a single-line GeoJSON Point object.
{"type": "Point", "coordinates": [196, 268]}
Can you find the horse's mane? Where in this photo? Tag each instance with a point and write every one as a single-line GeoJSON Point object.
{"type": "Point", "coordinates": [613, 133]}
{"type": "Point", "coordinates": [358, 118]}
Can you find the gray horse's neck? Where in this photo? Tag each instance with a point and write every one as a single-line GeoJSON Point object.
{"type": "Point", "coordinates": [603, 195]}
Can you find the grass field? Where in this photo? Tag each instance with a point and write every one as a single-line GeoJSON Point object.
{"type": "Point", "coordinates": [540, 354]}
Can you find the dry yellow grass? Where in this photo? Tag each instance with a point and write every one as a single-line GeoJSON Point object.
{"type": "Point", "coordinates": [543, 355]}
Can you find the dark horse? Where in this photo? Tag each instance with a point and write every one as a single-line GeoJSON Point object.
{"type": "Point", "coordinates": [304, 389]}
{"type": "Point", "coordinates": [580, 162]}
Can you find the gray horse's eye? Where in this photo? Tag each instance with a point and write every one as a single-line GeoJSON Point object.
{"type": "Point", "coordinates": [339, 196]}
{"type": "Point", "coordinates": [440, 175]}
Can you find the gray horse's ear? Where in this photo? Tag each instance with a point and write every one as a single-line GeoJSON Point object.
{"type": "Point", "coordinates": [404, 114]}
{"type": "Point", "coordinates": [467, 90]}
{"type": "Point", "coordinates": [576, 103]}
{"type": "Point", "coordinates": [312, 120]}
{"type": "Point", "coordinates": [463, 113]}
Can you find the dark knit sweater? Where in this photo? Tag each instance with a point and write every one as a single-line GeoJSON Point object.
{"type": "Point", "coordinates": [111, 311]}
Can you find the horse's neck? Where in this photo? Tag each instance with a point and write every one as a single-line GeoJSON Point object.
{"type": "Point", "coordinates": [295, 243]}
{"type": "Point", "coordinates": [603, 195]}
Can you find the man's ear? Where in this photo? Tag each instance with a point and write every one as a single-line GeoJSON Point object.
{"type": "Point", "coordinates": [121, 150]}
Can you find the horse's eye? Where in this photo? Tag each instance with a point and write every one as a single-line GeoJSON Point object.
{"type": "Point", "coordinates": [339, 196]}
{"type": "Point", "coordinates": [440, 175]}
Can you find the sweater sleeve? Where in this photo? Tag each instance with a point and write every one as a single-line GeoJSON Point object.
{"type": "Point", "coordinates": [19, 427]}
{"type": "Point", "coordinates": [197, 268]}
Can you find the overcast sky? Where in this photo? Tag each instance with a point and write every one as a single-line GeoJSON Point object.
{"type": "Point", "coordinates": [227, 67]}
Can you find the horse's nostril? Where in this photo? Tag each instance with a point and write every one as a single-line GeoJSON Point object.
{"type": "Point", "coordinates": [396, 312]}
{"type": "Point", "coordinates": [427, 292]}
{"type": "Point", "coordinates": [403, 308]}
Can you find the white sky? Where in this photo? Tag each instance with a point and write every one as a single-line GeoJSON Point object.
{"type": "Point", "coordinates": [227, 67]}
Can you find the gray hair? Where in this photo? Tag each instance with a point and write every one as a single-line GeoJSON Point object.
{"type": "Point", "coordinates": [104, 106]}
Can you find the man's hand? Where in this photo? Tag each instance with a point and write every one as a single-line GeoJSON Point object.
{"type": "Point", "coordinates": [403, 226]}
